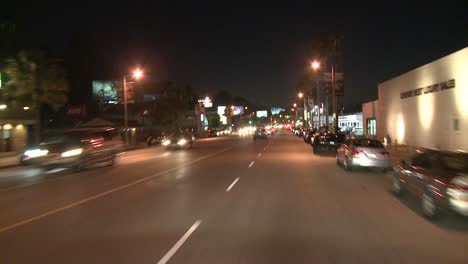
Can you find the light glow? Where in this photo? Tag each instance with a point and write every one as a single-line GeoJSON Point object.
{"type": "Point", "coordinates": [34, 153]}
{"type": "Point", "coordinates": [3, 106]}
{"type": "Point", "coordinates": [72, 152]}
{"type": "Point", "coordinates": [137, 74]}
{"type": "Point", "coordinates": [166, 142]}
{"type": "Point", "coordinates": [182, 142]}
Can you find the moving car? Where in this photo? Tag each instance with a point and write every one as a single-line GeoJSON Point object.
{"type": "Point", "coordinates": [327, 141]}
{"type": "Point", "coordinates": [212, 132]}
{"type": "Point", "coordinates": [363, 152]}
{"type": "Point", "coordinates": [260, 133]}
{"type": "Point", "coordinates": [438, 178]}
{"type": "Point", "coordinates": [75, 149]}
{"type": "Point", "coordinates": [178, 139]}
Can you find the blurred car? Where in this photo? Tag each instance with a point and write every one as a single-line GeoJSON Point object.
{"type": "Point", "coordinates": [297, 131]}
{"type": "Point", "coordinates": [309, 134]}
{"type": "Point", "coordinates": [438, 178]}
{"type": "Point", "coordinates": [260, 133]}
{"type": "Point", "coordinates": [327, 141]}
{"type": "Point", "coordinates": [363, 152]}
{"type": "Point", "coordinates": [178, 140]}
{"type": "Point", "coordinates": [212, 132]}
{"type": "Point", "coordinates": [74, 149]}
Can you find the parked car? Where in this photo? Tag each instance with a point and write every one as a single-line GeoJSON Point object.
{"type": "Point", "coordinates": [439, 179]}
{"type": "Point", "coordinates": [75, 149]}
{"type": "Point", "coordinates": [363, 152]}
{"type": "Point", "coordinates": [179, 139]}
{"type": "Point", "coordinates": [309, 135]}
{"type": "Point", "coordinates": [327, 141]}
{"type": "Point", "coordinates": [212, 132]}
{"type": "Point", "coordinates": [260, 133]}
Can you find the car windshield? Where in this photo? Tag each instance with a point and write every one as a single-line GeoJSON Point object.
{"type": "Point", "coordinates": [368, 143]}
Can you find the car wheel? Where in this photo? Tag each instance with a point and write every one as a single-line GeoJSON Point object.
{"type": "Point", "coordinates": [346, 165]}
{"type": "Point", "coordinates": [396, 185]}
{"type": "Point", "coordinates": [428, 205]}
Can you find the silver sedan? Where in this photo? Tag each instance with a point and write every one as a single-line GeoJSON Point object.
{"type": "Point", "coordinates": [363, 152]}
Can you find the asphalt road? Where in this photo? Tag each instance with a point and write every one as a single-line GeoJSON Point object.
{"type": "Point", "coordinates": [227, 200]}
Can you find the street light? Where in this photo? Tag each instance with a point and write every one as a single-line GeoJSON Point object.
{"type": "Point", "coordinates": [294, 104]}
{"type": "Point", "coordinates": [137, 74]}
{"type": "Point", "coordinates": [3, 106]}
{"type": "Point", "coordinates": [315, 65]}
{"type": "Point", "coordinates": [300, 95]}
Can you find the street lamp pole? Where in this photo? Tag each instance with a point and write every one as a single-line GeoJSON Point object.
{"type": "Point", "coordinates": [125, 109]}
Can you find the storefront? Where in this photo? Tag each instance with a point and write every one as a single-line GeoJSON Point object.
{"type": "Point", "coordinates": [426, 107]}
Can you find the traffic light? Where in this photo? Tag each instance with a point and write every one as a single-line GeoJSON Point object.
{"type": "Point", "coordinates": [250, 122]}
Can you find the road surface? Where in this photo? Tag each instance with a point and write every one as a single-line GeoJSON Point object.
{"type": "Point", "coordinates": [227, 200]}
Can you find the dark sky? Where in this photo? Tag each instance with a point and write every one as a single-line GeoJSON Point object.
{"type": "Point", "coordinates": [257, 52]}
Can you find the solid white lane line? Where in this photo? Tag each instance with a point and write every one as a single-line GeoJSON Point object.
{"type": "Point", "coordinates": [232, 184]}
{"type": "Point", "coordinates": [94, 197]}
{"type": "Point", "coordinates": [259, 154]}
{"type": "Point", "coordinates": [179, 243]}
{"type": "Point", "coordinates": [251, 164]}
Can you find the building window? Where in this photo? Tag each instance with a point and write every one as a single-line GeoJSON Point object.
{"type": "Point", "coordinates": [371, 126]}
{"type": "Point", "coordinates": [456, 124]}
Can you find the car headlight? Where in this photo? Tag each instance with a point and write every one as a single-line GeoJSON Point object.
{"type": "Point", "coordinates": [182, 142]}
{"type": "Point", "coordinates": [72, 152]}
{"type": "Point", "coordinates": [34, 153]}
{"type": "Point", "coordinates": [166, 142]}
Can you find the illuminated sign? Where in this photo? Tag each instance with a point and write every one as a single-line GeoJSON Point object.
{"type": "Point", "coordinates": [237, 110]}
{"type": "Point", "coordinates": [276, 110]}
{"type": "Point", "coordinates": [222, 114]}
{"type": "Point", "coordinates": [263, 113]}
{"type": "Point", "coordinates": [429, 89]}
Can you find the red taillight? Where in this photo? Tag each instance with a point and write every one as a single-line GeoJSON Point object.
{"type": "Point", "coordinates": [358, 152]}
{"type": "Point", "coordinates": [385, 153]}
{"type": "Point", "coordinates": [460, 187]}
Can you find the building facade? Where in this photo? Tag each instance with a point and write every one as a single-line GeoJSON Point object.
{"type": "Point", "coordinates": [426, 107]}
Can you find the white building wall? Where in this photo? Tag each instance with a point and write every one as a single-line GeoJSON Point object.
{"type": "Point", "coordinates": [428, 120]}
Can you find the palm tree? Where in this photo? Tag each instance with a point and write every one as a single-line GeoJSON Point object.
{"type": "Point", "coordinates": [36, 80]}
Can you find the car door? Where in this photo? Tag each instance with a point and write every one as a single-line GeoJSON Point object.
{"type": "Point", "coordinates": [418, 172]}
{"type": "Point", "coordinates": [344, 149]}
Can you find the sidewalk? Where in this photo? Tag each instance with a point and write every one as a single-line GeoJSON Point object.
{"type": "Point", "coordinates": [10, 161]}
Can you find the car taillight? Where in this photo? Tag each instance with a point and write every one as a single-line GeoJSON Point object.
{"type": "Point", "coordinates": [385, 153]}
{"type": "Point", "coordinates": [359, 153]}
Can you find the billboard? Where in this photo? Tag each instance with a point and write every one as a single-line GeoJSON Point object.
{"type": "Point", "coordinates": [111, 92]}
{"type": "Point", "coordinates": [222, 114]}
{"type": "Point", "coordinates": [262, 113]}
{"type": "Point", "coordinates": [237, 110]}
{"type": "Point", "coordinates": [105, 91]}
{"type": "Point", "coordinates": [277, 110]}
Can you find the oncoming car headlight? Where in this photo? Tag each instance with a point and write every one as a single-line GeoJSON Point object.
{"type": "Point", "coordinates": [182, 142]}
{"type": "Point", "coordinates": [166, 142]}
{"type": "Point", "coordinates": [72, 152]}
{"type": "Point", "coordinates": [34, 153]}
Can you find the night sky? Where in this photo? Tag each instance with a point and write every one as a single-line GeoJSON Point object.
{"type": "Point", "coordinates": [258, 52]}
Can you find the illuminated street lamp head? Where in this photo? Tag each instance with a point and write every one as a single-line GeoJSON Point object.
{"type": "Point", "coordinates": [137, 74]}
{"type": "Point", "coordinates": [294, 104]}
{"type": "Point", "coordinates": [315, 65]}
{"type": "Point", "coordinates": [300, 94]}
{"type": "Point", "coordinates": [233, 107]}
{"type": "Point", "coordinates": [3, 106]}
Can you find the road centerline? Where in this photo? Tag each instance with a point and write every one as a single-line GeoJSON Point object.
{"type": "Point", "coordinates": [259, 154]}
{"type": "Point", "coordinates": [251, 164]}
{"type": "Point", "coordinates": [179, 243]}
{"type": "Point", "coordinates": [232, 184]}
